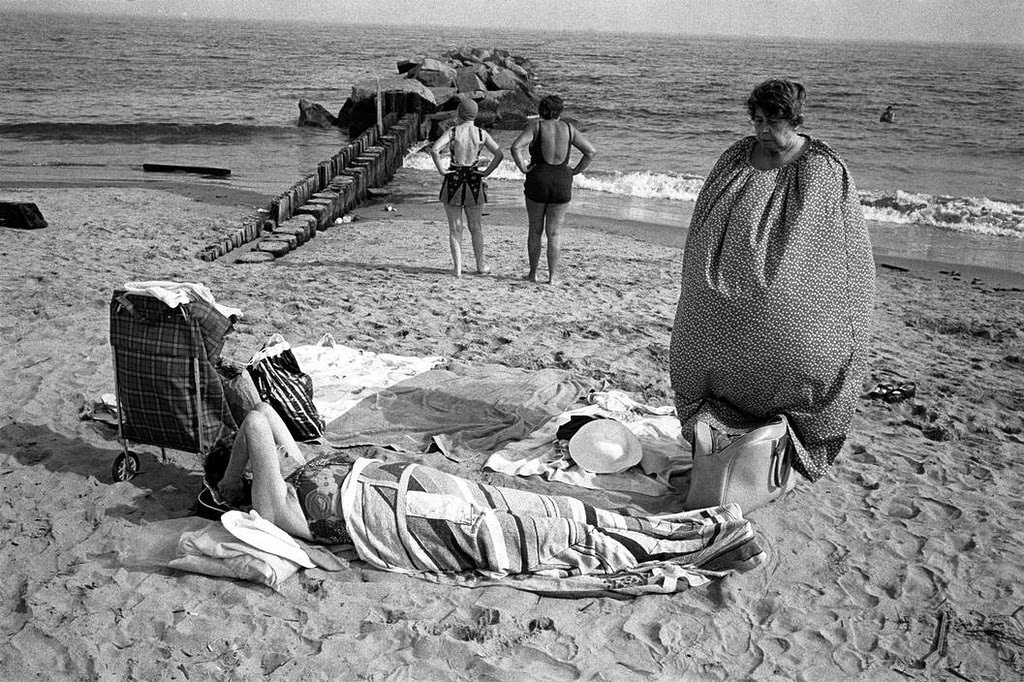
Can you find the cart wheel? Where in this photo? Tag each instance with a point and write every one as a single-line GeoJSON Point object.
{"type": "Point", "coordinates": [125, 467]}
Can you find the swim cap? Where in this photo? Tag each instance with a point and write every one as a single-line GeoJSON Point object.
{"type": "Point", "coordinates": [467, 109]}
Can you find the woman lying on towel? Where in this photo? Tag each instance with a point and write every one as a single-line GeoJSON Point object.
{"type": "Point", "coordinates": [402, 516]}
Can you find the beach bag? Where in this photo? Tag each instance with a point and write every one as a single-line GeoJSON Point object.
{"type": "Point", "coordinates": [282, 385]}
{"type": "Point", "coordinates": [750, 471]}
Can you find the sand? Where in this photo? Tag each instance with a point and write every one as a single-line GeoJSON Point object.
{"type": "Point", "coordinates": [905, 562]}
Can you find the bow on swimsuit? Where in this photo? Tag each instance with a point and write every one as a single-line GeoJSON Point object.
{"type": "Point", "coordinates": [548, 183]}
{"type": "Point", "coordinates": [463, 185]}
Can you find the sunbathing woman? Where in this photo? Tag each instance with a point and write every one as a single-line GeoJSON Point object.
{"type": "Point", "coordinates": [402, 516]}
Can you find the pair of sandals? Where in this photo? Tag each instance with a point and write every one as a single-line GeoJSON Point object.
{"type": "Point", "coordinates": [893, 393]}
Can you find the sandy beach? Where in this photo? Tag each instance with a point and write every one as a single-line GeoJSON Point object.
{"type": "Point", "coordinates": [905, 562]}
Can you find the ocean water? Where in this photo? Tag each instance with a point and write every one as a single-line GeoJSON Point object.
{"type": "Point", "coordinates": [96, 97]}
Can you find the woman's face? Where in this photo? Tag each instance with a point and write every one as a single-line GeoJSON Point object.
{"type": "Point", "coordinates": [774, 133]}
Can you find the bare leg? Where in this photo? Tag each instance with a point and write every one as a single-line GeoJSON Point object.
{"type": "Point", "coordinates": [535, 213]}
{"type": "Point", "coordinates": [455, 225]}
{"type": "Point", "coordinates": [262, 427]}
{"type": "Point", "coordinates": [474, 221]}
{"type": "Point", "coordinates": [555, 220]}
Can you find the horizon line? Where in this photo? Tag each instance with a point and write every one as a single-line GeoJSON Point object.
{"type": "Point", "coordinates": [59, 11]}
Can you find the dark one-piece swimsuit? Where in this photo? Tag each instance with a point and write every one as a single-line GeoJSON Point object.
{"type": "Point", "coordinates": [464, 185]}
{"type": "Point", "coordinates": [548, 183]}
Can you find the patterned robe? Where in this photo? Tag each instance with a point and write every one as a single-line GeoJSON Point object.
{"type": "Point", "coordinates": [776, 301]}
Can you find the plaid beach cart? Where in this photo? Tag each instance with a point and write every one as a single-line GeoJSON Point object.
{"type": "Point", "coordinates": [169, 392]}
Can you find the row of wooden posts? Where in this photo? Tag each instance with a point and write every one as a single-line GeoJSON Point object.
{"type": "Point", "coordinates": [338, 185]}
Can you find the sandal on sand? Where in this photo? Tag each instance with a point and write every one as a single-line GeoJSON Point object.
{"type": "Point", "coordinates": [904, 391]}
{"type": "Point", "coordinates": [891, 393]}
{"type": "Point", "coordinates": [881, 391]}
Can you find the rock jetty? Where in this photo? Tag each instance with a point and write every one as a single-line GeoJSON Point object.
{"type": "Point", "coordinates": [502, 84]}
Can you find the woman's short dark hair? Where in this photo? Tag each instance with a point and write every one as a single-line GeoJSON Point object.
{"type": "Point", "coordinates": [550, 106]}
{"type": "Point", "coordinates": [779, 99]}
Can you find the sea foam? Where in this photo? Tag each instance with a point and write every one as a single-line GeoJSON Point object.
{"type": "Point", "coordinates": [961, 214]}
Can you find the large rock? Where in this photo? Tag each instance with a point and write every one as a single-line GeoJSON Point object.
{"type": "Point", "coordinates": [360, 110]}
{"type": "Point", "coordinates": [434, 74]}
{"type": "Point", "coordinates": [467, 80]}
{"type": "Point", "coordinates": [368, 89]}
{"type": "Point", "coordinates": [314, 115]}
{"type": "Point", "coordinates": [501, 78]}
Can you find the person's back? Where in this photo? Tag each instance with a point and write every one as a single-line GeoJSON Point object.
{"type": "Point", "coordinates": [551, 142]}
{"type": "Point", "coordinates": [466, 144]}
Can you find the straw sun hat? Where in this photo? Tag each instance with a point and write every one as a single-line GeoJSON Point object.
{"type": "Point", "coordinates": [605, 446]}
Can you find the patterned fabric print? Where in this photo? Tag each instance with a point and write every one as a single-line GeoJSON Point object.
{"type": "Point", "coordinates": [317, 485]}
{"type": "Point", "coordinates": [283, 385]}
{"type": "Point", "coordinates": [777, 293]}
{"type": "Point", "coordinates": [407, 517]}
{"type": "Point", "coordinates": [463, 186]}
{"type": "Point", "coordinates": [161, 355]}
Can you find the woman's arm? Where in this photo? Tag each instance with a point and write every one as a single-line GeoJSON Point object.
{"type": "Point", "coordinates": [521, 143]}
{"type": "Point", "coordinates": [586, 149]}
{"type": "Point", "coordinates": [256, 446]}
{"type": "Point", "coordinates": [435, 150]}
{"type": "Point", "coordinates": [496, 154]}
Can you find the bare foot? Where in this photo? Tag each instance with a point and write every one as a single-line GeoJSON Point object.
{"type": "Point", "coordinates": [532, 277]}
{"type": "Point", "coordinates": [485, 270]}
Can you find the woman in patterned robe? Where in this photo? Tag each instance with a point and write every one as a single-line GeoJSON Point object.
{"type": "Point", "coordinates": [777, 288]}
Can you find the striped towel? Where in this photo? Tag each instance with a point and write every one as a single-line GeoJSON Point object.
{"type": "Point", "coordinates": [406, 517]}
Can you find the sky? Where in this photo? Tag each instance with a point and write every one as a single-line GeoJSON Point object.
{"type": "Point", "coordinates": [975, 21]}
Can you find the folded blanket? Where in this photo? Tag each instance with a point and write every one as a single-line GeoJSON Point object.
{"type": "Point", "coordinates": [214, 551]}
{"type": "Point", "coordinates": [409, 518]}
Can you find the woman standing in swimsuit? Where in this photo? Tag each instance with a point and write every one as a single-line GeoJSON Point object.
{"type": "Point", "coordinates": [463, 192]}
{"type": "Point", "coordinates": [548, 186]}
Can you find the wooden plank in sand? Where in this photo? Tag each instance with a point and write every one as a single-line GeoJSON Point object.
{"type": "Point", "coordinates": [21, 215]}
{"type": "Point", "coordinates": [176, 168]}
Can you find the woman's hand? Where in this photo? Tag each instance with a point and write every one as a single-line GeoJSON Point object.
{"type": "Point", "coordinates": [231, 489]}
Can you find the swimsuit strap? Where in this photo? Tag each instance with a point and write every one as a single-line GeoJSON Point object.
{"type": "Point", "coordinates": [568, 146]}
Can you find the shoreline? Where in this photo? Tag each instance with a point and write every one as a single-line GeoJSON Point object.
{"type": "Point", "coordinates": [409, 187]}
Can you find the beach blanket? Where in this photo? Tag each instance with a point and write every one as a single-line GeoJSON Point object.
{"type": "Point", "coordinates": [665, 452]}
{"type": "Point", "coordinates": [466, 411]}
{"type": "Point", "coordinates": [408, 518]}
{"type": "Point", "coordinates": [344, 376]}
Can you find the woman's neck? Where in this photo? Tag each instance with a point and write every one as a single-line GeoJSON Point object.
{"type": "Point", "coordinates": [764, 157]}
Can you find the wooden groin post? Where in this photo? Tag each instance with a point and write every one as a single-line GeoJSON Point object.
{"type": "Point", "coordinates": [338, 185]}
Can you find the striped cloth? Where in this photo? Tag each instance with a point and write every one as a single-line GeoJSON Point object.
{"type": "Point", "coordinates": [162, 355]}
{"type": "Point", "coordinates": [406, 517]}
{"type": "Point", "coordinates": [285, 387]}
